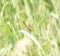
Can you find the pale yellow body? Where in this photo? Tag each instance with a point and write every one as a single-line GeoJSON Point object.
{"type": "Point", "coordinates": [21, 47]}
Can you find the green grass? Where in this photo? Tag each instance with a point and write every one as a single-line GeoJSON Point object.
{"type": "Point", "coordinates": [42, 16]}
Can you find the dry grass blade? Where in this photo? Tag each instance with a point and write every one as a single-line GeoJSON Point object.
{"type": "Point", "coordinates": [34, 40]}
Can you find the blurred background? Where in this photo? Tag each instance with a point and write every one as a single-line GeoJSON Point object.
{"type": "Point", "coordinates": [40, 22]}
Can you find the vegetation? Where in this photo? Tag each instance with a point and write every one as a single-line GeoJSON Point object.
{"type": "Point", "coordinates": [36, 20]}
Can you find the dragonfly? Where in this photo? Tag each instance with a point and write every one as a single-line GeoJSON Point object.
{"type": "Point", "coordinates": [28, 28]}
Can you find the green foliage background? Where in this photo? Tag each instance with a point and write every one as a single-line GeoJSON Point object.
{"type": "Point", "coordinates": [43, 16]}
